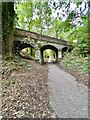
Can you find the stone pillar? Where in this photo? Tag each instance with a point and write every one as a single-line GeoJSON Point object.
{"type": "Point", "coordinates": [37, 54]}
{"type": "Point", "coordinates": [59, 55]}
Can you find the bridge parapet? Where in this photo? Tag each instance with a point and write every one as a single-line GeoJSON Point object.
{"type": "Point", "coordinates": [39, 37]}
{"type": "Point", "coordinates": [38, 41]}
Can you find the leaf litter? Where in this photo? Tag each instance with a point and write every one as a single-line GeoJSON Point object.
{"type": "Point", "coordinates": [25, 90]}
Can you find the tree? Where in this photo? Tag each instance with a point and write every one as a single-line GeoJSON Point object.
{"type": "Point", "coordinates": [57, 19]}
{"type": "Point", "coordinates": [33, 16]}
{"type": "Point", "coordinates": [0, 28]}
{"type": "Point", "coordinates": [80, 34]}
{"type": "Point", "coordinates": [43, 16]}
{"type": "Point", "coordinates": [8, 15]}
{"type": "Point", "coordinates": [24, 13]}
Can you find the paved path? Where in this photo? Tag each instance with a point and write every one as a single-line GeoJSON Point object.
{"type": "Point", "coordinates": [68, 99]}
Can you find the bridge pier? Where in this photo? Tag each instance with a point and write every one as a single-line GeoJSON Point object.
{"type": "Point", "coordinates": [59, 55]}
{"type": "Point", "coordinates": [37, 54]}
{"type": "Point", "coordinates": [45, 42]}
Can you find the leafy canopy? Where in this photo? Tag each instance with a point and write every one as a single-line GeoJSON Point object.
{"type": "Point", "coordinates": [66, 20]}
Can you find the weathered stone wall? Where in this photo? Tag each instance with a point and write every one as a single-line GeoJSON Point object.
{"type": "Point", "coordinates": [38, 41]}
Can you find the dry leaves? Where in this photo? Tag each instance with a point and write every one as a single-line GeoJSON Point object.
{"type": "Point", "coordinates": [25, 92]}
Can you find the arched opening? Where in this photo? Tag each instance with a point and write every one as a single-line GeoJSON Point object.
{"type": "Point", "coordinates": [28, 53]}
{"type": "Point", "coordinates": [49, 55]}
{"type": "Point", "coordinates": [49, 52]}
{"type": "Point", "coordinates": [23, 49]}
{"type": "Point", "coordinates": [65, 50]}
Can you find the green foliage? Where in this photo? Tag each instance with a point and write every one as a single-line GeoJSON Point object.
{"type": "Point", "coordinates": [81, 35]}
{"type": "Point", "coordinates": [49, 55]}
{"type": "Point", "coordinates": [10, 82]}
{"type": "Point", "coordinates": [32, 15]}
{"type": "Point", "coordinates": [76, 62]}
{"type": "Point", "coordinates": [24, 13]}
{"type": "Point", "coordinates": [37, 17]}
{"type": "Point", "coordinates": [28, 52]}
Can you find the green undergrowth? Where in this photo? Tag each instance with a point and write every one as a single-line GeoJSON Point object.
{"type": "Point", "coordinates": [9, 82]}
{"type": "Point", "coordinates": [75, 62]}
{"type": "Point", "coordinates": [15, 64]}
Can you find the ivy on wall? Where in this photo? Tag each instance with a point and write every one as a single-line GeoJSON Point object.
{"type": "Point", "coordinates": [8, 14]}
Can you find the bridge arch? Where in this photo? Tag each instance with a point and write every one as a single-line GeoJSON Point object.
{"type": "Point", "coordinates": [45, 47]}
{"type": "Point", "coordinates": [18, 46]}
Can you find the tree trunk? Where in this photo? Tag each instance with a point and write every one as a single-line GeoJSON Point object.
{"type": "Point", "coordinates": [9, 44]}
{"type": "Point", "coordinates": [0, 28]}
{"type": "Point", "coordinates": [7, 28]}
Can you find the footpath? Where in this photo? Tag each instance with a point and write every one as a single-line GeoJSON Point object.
{"type": "Point", "coordinates": [68, 98]}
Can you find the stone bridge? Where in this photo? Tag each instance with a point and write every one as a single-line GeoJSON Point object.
{"type": "Point", "coordinates": [24, 39]}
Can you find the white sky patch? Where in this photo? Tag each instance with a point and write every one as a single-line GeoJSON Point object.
{"type": "Point", "coordinates": [74, 41]}
{"type": "Point", "coordinates": [72, 6]}
{"type": "Point", "coordinates": [63, 14]}
{"type": "Point", "coordinates": [61, 10]}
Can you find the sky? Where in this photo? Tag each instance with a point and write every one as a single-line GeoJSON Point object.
{"type": "Point", "coordinates": [73, 6]}
{"type": "Point", "coordinates": [62, 10]}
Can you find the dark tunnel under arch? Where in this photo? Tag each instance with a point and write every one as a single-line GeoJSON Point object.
{"type": "Point", "coordinates": [18, 46]}
{"type": "Point", "coordinates": [45, 47]}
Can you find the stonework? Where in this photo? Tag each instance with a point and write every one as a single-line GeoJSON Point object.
{"type": "Point", "coordinates": [38, 41]}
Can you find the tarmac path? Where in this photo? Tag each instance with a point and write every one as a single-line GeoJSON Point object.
{"type": "Point", "coordinates": [68, 98]}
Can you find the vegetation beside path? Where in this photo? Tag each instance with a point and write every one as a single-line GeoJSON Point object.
{"type": "Point", "coordinates": [77, 66]}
